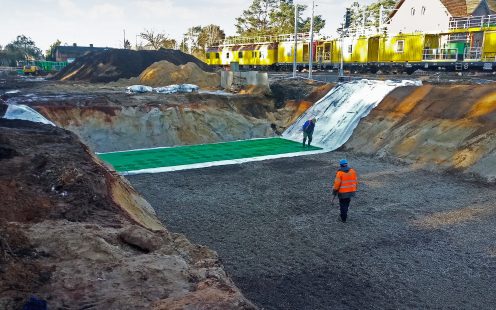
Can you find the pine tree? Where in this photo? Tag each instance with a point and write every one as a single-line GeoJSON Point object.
{"type": "Point", "coordinates": [371, 13]}
{"type": "Point", "coordinates": [269, 17]}
{"type": "Point", "coordinates": [210, 35]}
{"type": "Point", "coordinates": [255, 20]}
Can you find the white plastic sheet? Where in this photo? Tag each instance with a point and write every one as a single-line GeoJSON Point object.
{"type": "Point", "coordinates": [139, 89]}
{"type": "Point", "coordinates": [180, 88]}
{"type": "Point", "coordinates": [171, 89]}
{"type": "Point", "coordinates": [340, 111]}
{"type": "Point", "coordinates": [24, 112]}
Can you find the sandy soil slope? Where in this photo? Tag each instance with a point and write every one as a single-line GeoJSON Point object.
{"type": "Point", "coordinates": [107, 119]}
{"type": "Point", "coordinates": [438, 126]}
{"type": "Point", "coordinates": [80, 237]}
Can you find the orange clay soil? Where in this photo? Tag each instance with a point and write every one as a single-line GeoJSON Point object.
{"type": "Point", "coordinates": [450, 127]}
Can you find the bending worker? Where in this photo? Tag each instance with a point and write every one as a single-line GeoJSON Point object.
{"type": "Point", "coordinates": [308, 128]}
{"type": "Point", "coordinates": [345, 186]}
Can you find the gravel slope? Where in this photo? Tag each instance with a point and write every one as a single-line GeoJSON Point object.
{"type": "Point", "coordinates": [414, 239]}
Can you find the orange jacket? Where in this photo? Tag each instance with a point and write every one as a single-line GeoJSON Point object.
{"type": "Point", "coordinates": [346, 182]}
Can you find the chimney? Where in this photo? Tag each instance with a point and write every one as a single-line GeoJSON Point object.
{"type": "Point", "coordinates": [91, 45]}
{"type": "Point", "coordinates": [74, 44]}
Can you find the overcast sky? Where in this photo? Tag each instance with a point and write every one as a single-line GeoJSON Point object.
{"type": "Point", "coordinates": [102, 22]}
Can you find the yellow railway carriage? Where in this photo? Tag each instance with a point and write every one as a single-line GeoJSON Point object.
{"type": "Point", "coordinates": [489, 50]}
{"type": "Point", "coordinates": [454, 50]}
{"type": "Point", "coordinates": [286, 53]}
{"type": "Point", "coordinates": [406, 47]}
{"type": "Point", "coordinates": [252, 55]}
{"type": "Point", "coordinates": [212, 56]}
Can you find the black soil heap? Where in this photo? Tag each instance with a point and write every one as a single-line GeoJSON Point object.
{"type": "Point", "coordinates": [114, 64]}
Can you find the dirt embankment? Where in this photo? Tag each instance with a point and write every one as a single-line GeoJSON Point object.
{"type": "Point", "coordinates": [115, 64]}
{"type": "Point", "coordinates": [80, 237]}
{"type": "Point", "coordinates": [182, 119]}
{"type": "Point", "coordinates": [107, 119]}
{"type": "Point", "coordinates": [448, 127]}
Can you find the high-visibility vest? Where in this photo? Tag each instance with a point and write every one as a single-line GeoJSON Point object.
{"type": "Point", "coordinates": [346, 182]}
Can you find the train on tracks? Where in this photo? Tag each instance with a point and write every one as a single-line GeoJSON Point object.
{"type": "Point", "coordinates": [468, 45]}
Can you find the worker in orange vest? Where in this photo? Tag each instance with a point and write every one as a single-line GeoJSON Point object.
{"type": "Point", "coordinates": [345, 186]}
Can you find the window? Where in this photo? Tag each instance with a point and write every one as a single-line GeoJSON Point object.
{"type": "Point", "coordinates": [217, 55]}
{"type": "Point", "coordinates": [413, 11]}
{"type": "Point", "coordinates": [350, 49]}
{"type": "Point", "coordinates": [400, 46]}
{"type": "Point", "coordinates": [423, 10]}
{"type": "Point", "coordinates": [227, 55]}
{"type": "Point", "coordinates": [289, 53]}
{"type": "Point", "coordinates": [207, 55]}
{"type": "Point", "coordinates": [240, 54]}
{"type": "Point", "coordinates": [262, 54]}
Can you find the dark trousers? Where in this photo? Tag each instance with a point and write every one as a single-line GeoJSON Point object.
{"type": "Point", "coordinates": [305, 136]}
{"type": "Point", "coordinates": [344, 204]}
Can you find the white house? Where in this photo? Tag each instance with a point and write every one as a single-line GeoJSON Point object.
{"type": "Point", "coordinates": [433, 16]}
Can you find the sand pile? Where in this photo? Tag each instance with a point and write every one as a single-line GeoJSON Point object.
{"type": "Point", "coordinates": [164, 73]}
{"type": "Point", "coordinates": [115, 64]}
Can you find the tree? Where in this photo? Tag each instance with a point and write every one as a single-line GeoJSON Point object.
{"type": "Point", "coordinates": [50, 53]}
{"type": "Point", "coordinates": [282, 18]}
{"type": "Point", "coordinates": [23, 48]}
{"type": "Point", "coordinates": [127, 44]}
{"type": "Point", "coordinates": [210, 35]}
{"type": "Point", "coordinates": [374, 9]}
{"type": "Point", "coordinates": [157, 40]}
{"type": "Point", "coordinates": [275, 18]}
{"type": "Point", "coordinates": [318, 24]}
{"type": "Point", "coordinates": [370, 15]}
{"type": "Point", "coordinates": [191, 38]}
{"type": "Point", "coordinates": [183, 46]}
{"type": "Point", "coordinates": [256, 19]}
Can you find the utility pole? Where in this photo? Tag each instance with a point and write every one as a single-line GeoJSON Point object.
{"type": "Point", "coordinates": [124, 42]}
{"type": "Point", "coordinates": [310, 63]}
{"type": "Point", "coordinates": [190, 40]}
{"type": "Point", "coordinates": [364, 17]}
{"type": "Point", "coordinates": [381, 11]}
{"type": "Point", "coordinates": [295, 52]}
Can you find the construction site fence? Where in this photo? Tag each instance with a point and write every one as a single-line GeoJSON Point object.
{"type": "Point", "coordinates": [472, 22]}
{"type": "Point", "coordinates": [269, 39]}
{"type": "Point", "coordinates": [4, 68]}
{"type": "Point", "coordinates": [440, 54]}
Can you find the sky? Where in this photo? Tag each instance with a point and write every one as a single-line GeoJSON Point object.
{"type": "Point", "coordinates": [102, 22]}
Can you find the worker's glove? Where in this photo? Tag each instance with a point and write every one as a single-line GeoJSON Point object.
{"type": "Point", "coordinates": [334, 192]}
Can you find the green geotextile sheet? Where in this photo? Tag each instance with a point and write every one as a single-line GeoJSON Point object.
{"type": "Point", "coordinates": [203, 153]}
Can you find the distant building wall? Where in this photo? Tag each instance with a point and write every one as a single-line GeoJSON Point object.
{"type": "Point", "coordinates": [426, 16]}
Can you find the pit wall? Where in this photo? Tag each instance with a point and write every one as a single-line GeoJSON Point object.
{"type": "Point", "coordinates": [447, 127]}
{"type": "Point", "coordinates": [114, 128]}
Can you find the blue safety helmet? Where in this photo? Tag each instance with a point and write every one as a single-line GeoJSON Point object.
{"type": "Point", "coordinates": [343, 162]}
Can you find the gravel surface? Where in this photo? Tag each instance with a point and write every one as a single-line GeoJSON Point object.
{"type": "Point", "coordinates": [414, 239]}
